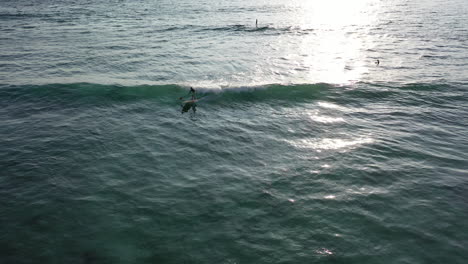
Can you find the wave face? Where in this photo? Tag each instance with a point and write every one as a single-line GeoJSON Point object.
{"type": "Point", "coordinates": [99, 93]}
{"type": "Point", "coordinates": [277, 169]}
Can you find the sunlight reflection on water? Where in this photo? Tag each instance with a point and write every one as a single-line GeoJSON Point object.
{"type": "Point", "coordinates": [330, 143]}
{"type": "Point", "coordinates": [335, 52]}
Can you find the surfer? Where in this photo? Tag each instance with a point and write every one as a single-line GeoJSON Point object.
{"type": "Point", "coordinates": [256, 23]}
{"type": "Point", "coordinates": [192, 92]}
{"type": "Point", "coordinates": [191, 104]}
{"type": "Point", "coordinates": [377, 62]}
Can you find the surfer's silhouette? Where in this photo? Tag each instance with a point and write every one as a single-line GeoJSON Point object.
{"type": "Point", "coordinates": [186, 105]}
{"type": "Point", "coordinates": [192, 91]}
{"type": "Point", "coordinates": [377, 62]}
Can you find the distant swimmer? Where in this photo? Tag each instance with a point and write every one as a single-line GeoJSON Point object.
{"type": "Point", "coordinates": [256, 23]}
{"type": "Point", "coordinates": [377, 62]}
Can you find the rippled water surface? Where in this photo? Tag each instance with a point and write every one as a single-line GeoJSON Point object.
{"type": "Point", "coordinates": [301, 149]}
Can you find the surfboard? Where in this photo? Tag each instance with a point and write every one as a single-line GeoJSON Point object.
{"type": "Point", "coordinates": [190, 101]}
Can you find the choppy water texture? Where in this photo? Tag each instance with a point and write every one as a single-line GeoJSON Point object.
{"type": "Point", "coordinates": [301, 150]}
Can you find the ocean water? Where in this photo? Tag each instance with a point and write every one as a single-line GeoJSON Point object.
{"type": "Point", "coordinates": [301, 149]}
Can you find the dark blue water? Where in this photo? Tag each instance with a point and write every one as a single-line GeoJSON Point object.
{"type": "Point", "coordinates": [301, 149]}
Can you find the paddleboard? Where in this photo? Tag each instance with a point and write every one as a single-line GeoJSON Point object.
{"type": "Point", "coordinates": [190, 101]}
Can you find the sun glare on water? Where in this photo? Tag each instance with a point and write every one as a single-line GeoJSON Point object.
{"type": "Point", "coordinates": [336, 13]}
{"type": "Point", "coordinates": [334, 53]}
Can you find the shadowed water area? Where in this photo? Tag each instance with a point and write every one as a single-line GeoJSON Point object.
{"type": "Point", "coordinates": [302, 149]}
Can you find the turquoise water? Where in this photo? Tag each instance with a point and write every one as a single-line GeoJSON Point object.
{"type": "Point", "coordinates": [301, 150]}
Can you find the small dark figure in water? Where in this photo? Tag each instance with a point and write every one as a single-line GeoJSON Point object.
{"type": "Point", "coordinates": [377, 62]}
{"type": "Point", "coordinates": [256, 23]}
